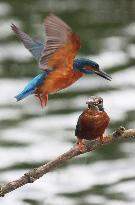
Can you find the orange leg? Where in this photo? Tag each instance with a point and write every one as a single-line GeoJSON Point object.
{"type": "Point", "coordinates": [101, 139]}
{"type": "Point", "coordinates": [46, 99]}
{"type": "Point", "coordinates": [80, 144]}
{"type": "Point", "coordinates": [40, 99]}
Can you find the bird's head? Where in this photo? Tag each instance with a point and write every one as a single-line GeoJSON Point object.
{"type": "Point", "coordinates": [95, 102]}
{"type": "Point", "coordinates": [88, 67]}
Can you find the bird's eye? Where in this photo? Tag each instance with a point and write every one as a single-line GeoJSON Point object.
{"type": "Point", "coordinates": [100, 101]}
{"type": "Point", "coordinates": [96, 67]}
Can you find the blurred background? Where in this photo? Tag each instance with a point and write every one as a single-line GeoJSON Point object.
{"type": "Point", "coordinates": [30, 136]}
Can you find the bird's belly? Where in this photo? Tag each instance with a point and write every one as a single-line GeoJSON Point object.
{"type": "Point", "coordinates": [92, 130]}
{"type": "Point", "coordinates": [58, 80]}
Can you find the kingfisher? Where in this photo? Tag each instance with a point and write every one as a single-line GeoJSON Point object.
{"type": "Point", "coordinates": [92, 122]}
{"type": "Point", "coordinates": [56, 58]}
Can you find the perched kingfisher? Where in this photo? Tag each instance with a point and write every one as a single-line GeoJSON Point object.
{"type": "Point", "coordinates": [56, 58]}
{"type": "Point", "coordinates": [92, 122]}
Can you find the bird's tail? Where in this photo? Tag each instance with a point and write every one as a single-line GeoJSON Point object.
{"type": "Point", "coordinates": [31, 87]}
{"type": "Point", "coordinates": [24, 94]}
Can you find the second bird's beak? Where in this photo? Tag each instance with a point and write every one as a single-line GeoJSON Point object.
{"type": "Point", "coordinates": [102, 74]}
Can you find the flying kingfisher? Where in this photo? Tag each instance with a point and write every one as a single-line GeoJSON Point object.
{"type": "Point", "coordinates": [92, 122]}
{"type": "Point", "coordinates": [56, 58]}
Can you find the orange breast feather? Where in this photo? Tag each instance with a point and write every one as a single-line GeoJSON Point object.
{"type": "Point", "coordinates": [59, 79]}
{"type": "Point", "coordinates": [61, 61]}
{"type": "Point", "coordinates": [93, 125]}
{"type": "Point", "coordinates": [67, 53]}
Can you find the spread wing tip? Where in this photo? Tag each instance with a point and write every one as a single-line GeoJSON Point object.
{"type": "Point", "coordinates": [55, 20]}
{"type": "Point", "coordinates": [14, 28]}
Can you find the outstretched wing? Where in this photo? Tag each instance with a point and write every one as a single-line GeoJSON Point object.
{"type": "Point", "coordinates": [35, 47]}
{"type": "Point", "coordinates": [61, 43]}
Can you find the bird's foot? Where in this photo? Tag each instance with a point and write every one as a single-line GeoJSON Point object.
{"type": "Point", "coordinates": [40, 99]}
{"type": "Point", "coordinates": [30, 178]}
{"type": "Point", "coordinates": [101, 138]}
{"type": "Point", "coordinates": [1, 191]}
{"type": "Point", "coordinates": [80, 145]}
{"type": "Point", "coordinates": [46, 99]}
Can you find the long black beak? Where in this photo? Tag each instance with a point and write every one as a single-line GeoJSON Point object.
{"type": "Point", "coordinates": [103, 74]}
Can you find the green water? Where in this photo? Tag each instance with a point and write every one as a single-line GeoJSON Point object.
{"type": "Point", "coordinates": [30, 136]}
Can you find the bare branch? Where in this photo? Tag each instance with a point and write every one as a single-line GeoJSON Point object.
{"type": "Point", "coordinates": [36, 173]}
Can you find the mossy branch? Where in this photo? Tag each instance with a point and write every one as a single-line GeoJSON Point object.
{"type": "Point", "coordinates": [36, 173]}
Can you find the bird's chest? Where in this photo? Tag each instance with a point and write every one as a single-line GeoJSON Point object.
{"type": "Point", "coordinates": [59, 79]}
{"type": "Point", "coordinates": [94, 125]}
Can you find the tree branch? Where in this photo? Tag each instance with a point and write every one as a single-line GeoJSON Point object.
{"type": "Point", "coordinates": [36, 173]}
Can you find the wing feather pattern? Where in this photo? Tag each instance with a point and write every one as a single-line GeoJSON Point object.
{"type": "Point", "coordinates": [34, 46]}
{"type": "Point", "coordinates": [60, 40]}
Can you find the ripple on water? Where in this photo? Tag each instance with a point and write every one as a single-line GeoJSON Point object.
{"type": "Point", "coordinates": [45, 134]}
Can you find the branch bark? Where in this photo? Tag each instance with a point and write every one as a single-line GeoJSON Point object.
{"type": "Point", "coordinates": [36, 173]}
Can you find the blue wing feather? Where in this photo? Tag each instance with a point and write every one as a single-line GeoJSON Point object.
{"type": "Point", "coordinates": [34, 46]}
{"type": "Point", "coordinates": [31, 87]}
